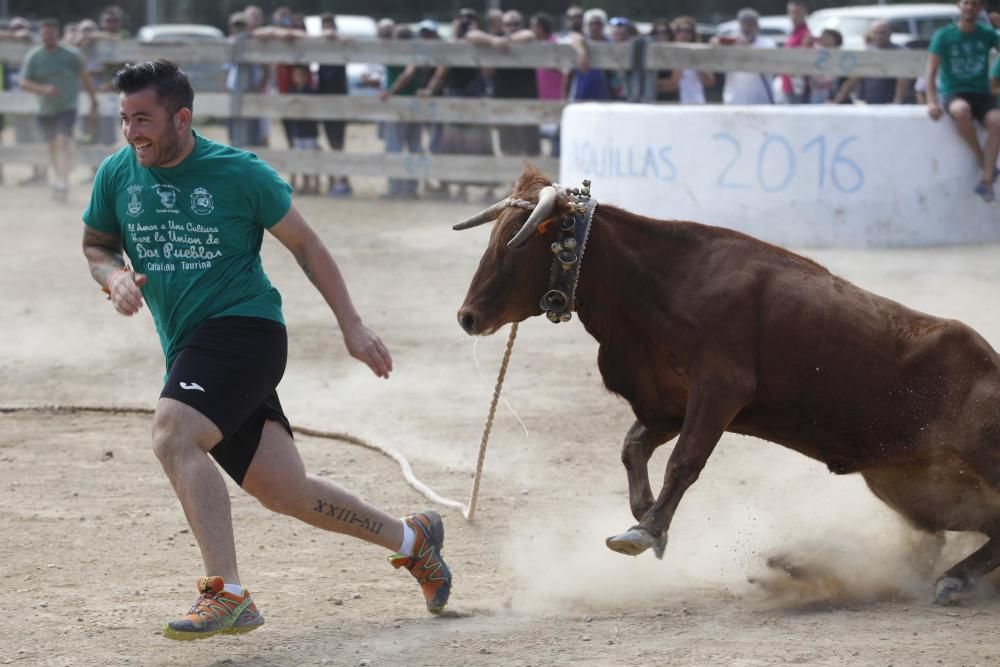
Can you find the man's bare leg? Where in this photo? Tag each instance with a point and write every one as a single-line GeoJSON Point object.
{"type": "Point", "coordinates": [277, 478]}
{"type": "Point", "coordinates": [182, 436]}
{"type": "Point", "coordinates": [992, 124]}
{"type": "Point", "coordinates": [961, 113]}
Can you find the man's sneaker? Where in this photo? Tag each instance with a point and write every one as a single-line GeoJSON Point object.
{"type": "Point", "coordinates": [985, 191]}
{"type": "Point", "coordinates": [426, 563]}
{"type": "Point", "coordinates": [215, 612]}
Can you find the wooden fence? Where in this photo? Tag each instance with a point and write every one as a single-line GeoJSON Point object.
{"type": "Point", "coordinates": [896, 63]}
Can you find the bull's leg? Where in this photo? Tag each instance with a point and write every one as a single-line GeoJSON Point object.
{"type": "Point", "coordinates": [706, 418]}
{"type": "Point", "coordinates": [640, 443]}
{"type": "Point", "coordinates": [963, 576]}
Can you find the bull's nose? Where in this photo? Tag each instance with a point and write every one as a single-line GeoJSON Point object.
{"type": "Point", "coordinates": [467, 321]}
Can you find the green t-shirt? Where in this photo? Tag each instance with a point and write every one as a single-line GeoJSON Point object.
{"type": "Point", "coordinates": [393, 72]}
{"type": "Point", "coordinates": [965, 58]}
{"type": "Point", "coordinates": [61, 68]}
{"type": "Point", "coordinates": [195, 229]}
{"type": "Point", "coordinates": [995, 69]}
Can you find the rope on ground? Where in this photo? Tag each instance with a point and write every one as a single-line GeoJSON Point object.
{"type": "Point", "coordinates": [470, 511]}
{"type": "Point", "coordinates": [467, 510]}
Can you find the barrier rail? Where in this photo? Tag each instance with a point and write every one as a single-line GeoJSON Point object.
{"type": "Point", "coordinates": [482, 111]}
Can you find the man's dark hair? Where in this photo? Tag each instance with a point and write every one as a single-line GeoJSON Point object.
{"type": "Point", "coordinates": [835, 35]}
{"type": "Point", "coordinates": [49, 23]}
{"type": "Point", "coordinates": [544, 22]}
{"type": "Point", "coordinates": [171, 83]}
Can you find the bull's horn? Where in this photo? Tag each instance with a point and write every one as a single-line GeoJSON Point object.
{"type": "Point", "coordinates": [489, 215]}
{"type": "Point", "coordinates": [546, 202]}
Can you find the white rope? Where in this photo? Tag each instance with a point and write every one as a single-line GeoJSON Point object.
{"type": "Point", "coordinates": [467, 510]}
{"type": "Point", "coordinates": [470, 511]}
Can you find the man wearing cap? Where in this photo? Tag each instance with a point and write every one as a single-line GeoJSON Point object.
{"type": "Point", "coordinates": [244, 78]}
{"type": "Point", "coordinates": [747, 87]}
{"type": "Point", "coordinates": [586, 83]}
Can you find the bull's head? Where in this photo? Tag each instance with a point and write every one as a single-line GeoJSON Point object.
{"type": "Point", "coordinates": [514, 271]}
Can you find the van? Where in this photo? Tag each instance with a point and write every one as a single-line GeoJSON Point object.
{"type": "Point", "coordinates": [205, 77]}
{"type": "Point", "coordinates": [350, 26]}
{"type": "Point", "coordinates": [912, 24]}
{"type": "Point", "coordinates": [776, 27]}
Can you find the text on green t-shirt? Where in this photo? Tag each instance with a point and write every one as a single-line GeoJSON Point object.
{"type": "Point", "coordinates": [195, 230]}
{"type": "Point", "coordinates": [965, 58]}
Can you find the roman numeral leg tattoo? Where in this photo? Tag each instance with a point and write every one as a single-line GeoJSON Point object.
{"type": "Point", "coordinates": [347, 516]}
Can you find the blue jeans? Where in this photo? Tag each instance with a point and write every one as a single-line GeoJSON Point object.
{"type": "Point", "coordinates": [397, 137]}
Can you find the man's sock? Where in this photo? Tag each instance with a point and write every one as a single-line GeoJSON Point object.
{"type": "Point", "coordinates": [406, 548]}
{"type": "Point", "coordinates": [235, 589]}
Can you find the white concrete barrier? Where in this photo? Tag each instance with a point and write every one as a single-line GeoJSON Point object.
{"type": "Point", "coordinates": [796, 176]}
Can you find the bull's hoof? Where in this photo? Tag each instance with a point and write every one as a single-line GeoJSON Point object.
{"type": "Point", "coordinates": [636, 540]}
{"type": "Point", "coordinates": [948, 590]}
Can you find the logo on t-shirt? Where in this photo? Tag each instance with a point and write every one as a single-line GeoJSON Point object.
{"type": "Point", "coordinates": [168, 197]}
{"type": "Point", "coordinates": [201, 201]}
{"type": "Point", "coordinates": [134, 199]}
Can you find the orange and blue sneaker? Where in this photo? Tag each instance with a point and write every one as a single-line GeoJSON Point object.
{"type": "Point", "coordinates": [426, 563]}
{"type": "Point", "coordinates": [215, 611]}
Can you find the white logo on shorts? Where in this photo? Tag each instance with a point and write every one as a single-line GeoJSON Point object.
{"type": "Point", "coordinates": [192, 385]}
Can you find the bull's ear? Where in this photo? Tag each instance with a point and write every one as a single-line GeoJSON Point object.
{"type": "Point", "coordinates": [547, 197]}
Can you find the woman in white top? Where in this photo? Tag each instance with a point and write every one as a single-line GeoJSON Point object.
{"type": "Point", "coordinates": [690, 83]}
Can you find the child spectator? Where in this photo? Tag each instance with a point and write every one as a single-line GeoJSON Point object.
{"type": "Point", "coordinates": [304, 132]}
{"type": "Point", "coordinates": [823, 87]}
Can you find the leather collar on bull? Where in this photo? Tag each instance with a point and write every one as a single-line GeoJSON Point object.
{"type": "Point", "coordinates": [574, 230]}
{"type": "Point", "coordinates": [559, 301]}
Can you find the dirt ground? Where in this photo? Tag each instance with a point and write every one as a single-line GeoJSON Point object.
{"type": "Point", "coordinates": [95, 554]}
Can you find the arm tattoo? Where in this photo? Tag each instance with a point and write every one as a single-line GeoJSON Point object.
{"type": "Point", "coordinates": [103, 252]}
{"type": "Point", "coordinates": [305, 267]}
{"type": "Point", "coordinates": [347, 516]}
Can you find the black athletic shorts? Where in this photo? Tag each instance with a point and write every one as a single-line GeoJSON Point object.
{"type": "Point", "coordinates": [228, 371]}
{"type": "Point", "coordinates": [980, 103]}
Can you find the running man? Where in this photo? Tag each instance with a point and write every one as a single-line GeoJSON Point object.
{"type": "Point", "coordinates": [190, 214]}
{"type": "Point", "coordinates": [55, 72]}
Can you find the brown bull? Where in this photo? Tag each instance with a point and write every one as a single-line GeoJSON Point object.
{"type": "Point", "coordinates": [705, 330]}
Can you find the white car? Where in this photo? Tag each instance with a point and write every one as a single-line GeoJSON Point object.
{"type": "Point", "coordinates": [205, 78]}
{"type": "Point", "coordinates": [910, 23]}
{"type": "Point", "coordinates": [777, 27]}
{"type": "Point", "coordinates": [359, 28]}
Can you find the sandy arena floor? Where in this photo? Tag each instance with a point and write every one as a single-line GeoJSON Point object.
{"type": "Point", "coordinates": [96, 555]}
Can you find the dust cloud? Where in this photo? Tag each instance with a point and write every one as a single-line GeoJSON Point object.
{"type": "Point", "coordinates": [761, 523]}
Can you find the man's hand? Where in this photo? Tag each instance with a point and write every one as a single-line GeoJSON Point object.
{"type": "Point", "coordinates": [49, 90]}
{"type": "Point", "coordinates": [934, 110]}
{"type": "Point", "coordinates": [364, 345]}
{"type": "Point", "coordinates": [123, 291]}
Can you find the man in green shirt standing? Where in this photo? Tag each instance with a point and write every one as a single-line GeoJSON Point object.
{"type": "Point", "coordinates": [55, 72]}
{"type": "Point", "coordinates": [961, 53]}
{"type": "Point", "coordinates": [190, 214]}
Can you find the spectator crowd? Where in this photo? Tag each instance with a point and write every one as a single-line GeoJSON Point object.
{"type": "Point", "coordinates": [502, 30]}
